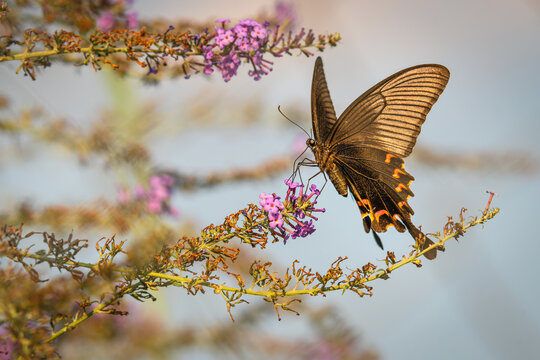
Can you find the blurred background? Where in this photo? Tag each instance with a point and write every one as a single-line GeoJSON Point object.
{"type": "Point", "coordinates": [478, 300]}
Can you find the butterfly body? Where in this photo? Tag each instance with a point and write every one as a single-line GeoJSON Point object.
{"type": "Point", "coordinates": [326, 161]}
{"type": "Point", "coordinates": [362, 151]}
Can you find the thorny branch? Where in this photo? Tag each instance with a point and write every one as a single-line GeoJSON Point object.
{"type": "Point", "coordinates": [149, 50]}
{"type": "Point", "coordinates": [205, 261]}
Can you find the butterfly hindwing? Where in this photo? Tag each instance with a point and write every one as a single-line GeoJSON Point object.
{"type": "Point", "coordinates": [380, 186]}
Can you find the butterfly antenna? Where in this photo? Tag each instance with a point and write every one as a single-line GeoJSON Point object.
{"type": "Point", "coordinates": [285, 116]}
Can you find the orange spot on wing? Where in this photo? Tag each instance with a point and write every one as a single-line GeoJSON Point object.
{"type": "Point", "coordinates": [364, 203]}
{"type": "Point", "coordinates": [388, 225]}
{"type": "Point", "coordinates": [401, 187]}
{"type": "Point", "coordinates": [389, 158]}
{"type": "Point", "coordinates": [404, 205]}
{"type": "Point", "coordinates": [397, 172]}
{"type": "Point", "coordinates": [380, 213]}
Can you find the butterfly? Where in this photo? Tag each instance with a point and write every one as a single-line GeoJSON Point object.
{"type": "Point", "coordinates": [362, 151]}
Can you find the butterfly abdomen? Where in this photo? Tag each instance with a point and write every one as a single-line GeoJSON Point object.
{"type": "Point", "coordinates": [326, 163]}
{"type": "Point", "coordinates": [337, 178]}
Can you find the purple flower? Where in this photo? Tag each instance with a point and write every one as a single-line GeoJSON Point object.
{"type": "Point", "coordinates": [229, 66]}
{"type": "Point", "coordinates": [291, 184]}
{"type": "Point", "coordinates": [208, 59]}
{"type": "Point", "coordinates": [224, 38]}
{"type": "Point", "coordinates": [160, 188]}
{"type": "Point", "coordinates": [139, 192]}
{"type": "Point", "coordinates": [271, 204]}
{"type": "Point", "coordinates": [132, 20]}
{"type": "Point", "coordinates": [255, 46]}
{"type": "Point", "coordinates": [208, 53]}
{"type": "Point", "coordinates": [156, 197]}
{"type": "Point", "coordinates": [123, 196]}
{"type": "Point", "coordinates": [242, 43]}
{"type": "Point", "coordinates": [286, 216]}
{"type": "Point", "coordinates": [245, 39]}
{"type": "Point", "coordinates": [258, 32]}
{"type": "Point", "coordinates": [154, 206]}
{"type": "Point", "coordinates": [152, 70]}
{"type": "Point", "coordinates": [248, 22]}
{"type": "Point", "coordinates": [285, 12]}
{"type": "Point", "coordinates": [223, 21]}
{"type": "Point", "coordinates": [240, 31]}
{"type": "Point", "coordinates": [167, 180]}
{"type": "Point", "coordinates": [105, 22]}
{"type": "Point", "coordinates": [260, 66]}
{"type": "Point", "coordinates": [303, 229]}
{"type": "Point", "coordinates": [7, 346]}
{"type": "Point", "coordinates": [277, 223]}
{"type": "Point", "coordinates": [159, 193]}
{"type": "Point", "coordinates": [155, 181]}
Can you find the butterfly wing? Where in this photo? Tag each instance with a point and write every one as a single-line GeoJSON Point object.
{"type": "Point", "coordinates": [323, 115]}
{"type": "Point", "coordinates": [380, 186]}
{"type": "Point", "coordinates": [389, 116]}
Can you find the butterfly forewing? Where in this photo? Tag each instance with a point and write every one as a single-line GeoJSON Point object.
{"type": "Point", "coordinates": [363, 149]}
{"type": "Point", "coordinates": [389, 115]}
{"type": "Point", "coordinates": [323, 115]}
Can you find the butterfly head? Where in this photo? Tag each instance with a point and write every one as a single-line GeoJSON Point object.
{"type": "Point", "coordinates": [310, 143]}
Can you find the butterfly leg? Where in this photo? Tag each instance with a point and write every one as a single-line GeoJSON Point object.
{"type": "Point", "coordinates": [296, 166]}
{"type": "Point", "coordinates": [317, 174]}
{"type": "Point", "coordinates": [305, 162]}
{"type": "Point", "coordinates": [322, 188]}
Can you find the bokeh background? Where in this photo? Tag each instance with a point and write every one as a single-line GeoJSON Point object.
{"type": "Point", "coordinates": [479, 300]}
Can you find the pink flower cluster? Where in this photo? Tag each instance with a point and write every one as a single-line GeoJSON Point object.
{"type": "Point", "coordinates": [107, 20]}
{"type": "Point", "coordinates": [245, 39]}
{"type": "Point", "coordinates": [271, 204]}
{"type": "Point", "coordinates": [156, 196]}
{"type": "Point", "coordinates": [286, 217]}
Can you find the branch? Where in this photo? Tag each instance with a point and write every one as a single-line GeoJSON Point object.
{"type": "Point", "coordinates": [221, 50]}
